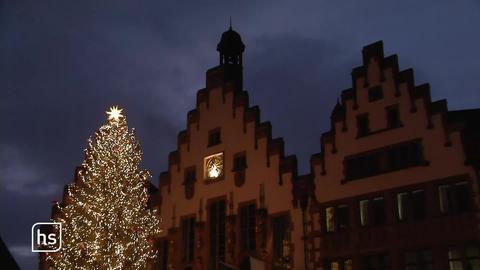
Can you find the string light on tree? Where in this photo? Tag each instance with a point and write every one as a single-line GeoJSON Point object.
{"type": "Point", "coordinates": [105, 220]}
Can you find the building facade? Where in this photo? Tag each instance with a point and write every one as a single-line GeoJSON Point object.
{"type": "Point", "coordinates": [226, 199]}
{"type": "Point", "coordinates": [395, 185]}
{"type": "Point", "coordinates": [397, 178]}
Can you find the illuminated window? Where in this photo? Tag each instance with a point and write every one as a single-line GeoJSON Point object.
{"type": "Point", "coordinates": [402, 205]}
{"type": "Point", "coordinates": [364, 213]}
{"type": "Point", "coordinates": [372, 212]}
{"type": "Point", "coordinates": [411, 205]}
{"type": "Point", "coordinates": [330, 219]}
{"type": "Point", "coordinates": [339, 264]}
{"type": "Point", "coordinates": [348, 264]}
{"type": "Point", "coordinates": [213, 167]}
{"type": "Point", "coordinates": [472, 257]}
{"type": "Point", "coordinates": [455, 259]}
{"type": "Point", "coordinates": [464, 258]}
{"type": "Point", "coordinates": [336, 218]}
{"type": "Point", "coordinates": [334, 266]}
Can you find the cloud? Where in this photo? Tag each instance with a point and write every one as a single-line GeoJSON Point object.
{"type": "Point", "coordinates": [20, 175]}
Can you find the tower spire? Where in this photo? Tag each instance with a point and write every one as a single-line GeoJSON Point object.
{"type": "Point", "coordinates": [230, 50]}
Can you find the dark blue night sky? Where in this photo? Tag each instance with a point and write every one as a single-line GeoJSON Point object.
{"type": "Point", "coordinates": [62, 63]}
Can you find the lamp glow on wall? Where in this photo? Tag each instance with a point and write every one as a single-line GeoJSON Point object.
{"type": "Point", "coordinates": [213, 166]}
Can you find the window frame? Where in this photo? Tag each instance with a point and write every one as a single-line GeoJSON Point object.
{"type": "Point", "coordinates": [214, 137]}
{"type": "Point", "coordinates": [398, 122]}
{"type": "Point", "coordinates": [242, 166]}
{"type": "Point", "coordinates": [247, 229]}
{"type": "Point", "coordinates": [375, 93]}
{"type": "Point", "coordinates": [363, 125]}
{"type": "Point", "coordinates": [452, 201]}
{"type": "Point", "coordinates": [188, 244]}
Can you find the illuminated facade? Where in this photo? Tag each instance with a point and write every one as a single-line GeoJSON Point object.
{"type": "Point", "coordinates": [397, 178]}
{"type": "Point", "coordinates": [394, 187]}
{"type": "Point", "coordinates": [227, 195]}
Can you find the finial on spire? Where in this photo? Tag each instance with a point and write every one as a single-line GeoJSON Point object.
{"type": "Point", "coordinates": [230, 28]}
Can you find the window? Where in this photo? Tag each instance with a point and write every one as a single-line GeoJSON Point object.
{"type": "Point", "coordinates": [384, 160]}
{"type": "Point", "coordinates": [280, 227]}
{"type": "Point", "coordinates": [336, 218]}
{"type": "Point", "coordinates": [393, 117]}
{"type": "Point", "coordinates": [189, 182]}
{"type": "Point", "coordinates": [330, 219]}
{"type": "Point", "coordinates": [339, 264]}
{"type": "Point", "coordinates": [364, 219]}
{"type": "Point", "coordinates": [213, 167]}
{"type": "Point", "coordinates": [464, 258]}
{"type": "Point", "coordinates": [348, 264]}
{"type": "Point", "coordinates": [163, 252]}
{"type": "Point", "coordinates": [472, 257]}
{"type": "Point", "coordinates": [216, 233]}
{"type": "Point", "coordinates": [188, 239]}
{"type": "Point", "coordinates": [402, 205]}
{"type": "Point", "coordinates": [240, 162]}
{"type": "Point", "coordinates": [362, 125]}
{"type": "Point", "coordinates": [404, 156]}
{"type": "Point", "coordinates": [342, 217]}
{"type": "Point", "coordinates": [455, 259]}
{"type": "Point", "coordinates": [376, 262]}
{"type": "Point", "coordinates": [189, 174]}
{"type": "Point", "coordinates": [418, 260]}
{"type": "Point", "coordinates": [454, 198]}
{"type": "Point", "coordinates": [214, 137]}
{"type": "Point", "coordinates": [372, 212]}
{"type": "Point", "coordinates": [247, 227]}
{"type": "Point", "coordinates": [411, 205]}
{"type": "Point", "coordinates": [378, 211]}
{"type": "Point", "coordinates": [375, 93]}
{"type": "Point", "coordinates": [418, 204]}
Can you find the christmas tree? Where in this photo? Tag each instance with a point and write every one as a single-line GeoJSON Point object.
{"type": "Point", "coordinates": [105, 220]}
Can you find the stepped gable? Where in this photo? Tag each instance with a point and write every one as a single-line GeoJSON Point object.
{"type": "Point", "coordinates": [361, 79]}
{"type": "Point", "coordinates": [288, 164]}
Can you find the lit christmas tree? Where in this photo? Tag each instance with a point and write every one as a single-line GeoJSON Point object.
{"type": "Point", "coordinates": [105, 220]}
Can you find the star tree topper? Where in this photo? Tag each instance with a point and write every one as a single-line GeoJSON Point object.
{"type": "Point", "coordinates": [114, 114]}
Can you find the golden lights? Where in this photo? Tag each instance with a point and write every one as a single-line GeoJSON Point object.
{"type": "Point", "coordinates": [213, 166]}
{"type": "Point", "coordinates": [106, 223]}
{"type": "Point", "coordinates": [114, 113]}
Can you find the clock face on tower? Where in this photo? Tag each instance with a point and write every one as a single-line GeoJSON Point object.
{"type": "Point", "coordinates": [213, 167]}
